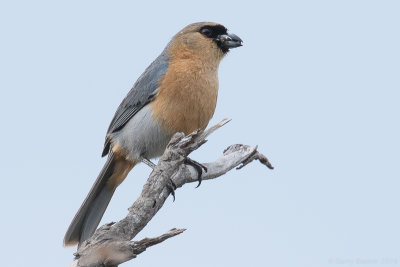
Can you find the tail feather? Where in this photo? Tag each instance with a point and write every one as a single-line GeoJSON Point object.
{"type": "Point", "coordinates": [93, 207]}
{"type": "Point", "coordinates": [95, 213]}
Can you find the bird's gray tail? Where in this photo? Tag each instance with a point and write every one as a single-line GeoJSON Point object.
{"type": "Point", "coordinates": [92, 209]}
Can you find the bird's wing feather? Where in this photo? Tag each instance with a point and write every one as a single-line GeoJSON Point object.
{"type": "Point", "coordinates": [142, 93]}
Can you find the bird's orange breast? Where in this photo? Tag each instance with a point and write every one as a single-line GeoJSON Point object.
{"type": "Point", "coordinates": [187, 96]}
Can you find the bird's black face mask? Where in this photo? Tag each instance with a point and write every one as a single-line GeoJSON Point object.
{"type": "Point", "coordinates": [219, 34]}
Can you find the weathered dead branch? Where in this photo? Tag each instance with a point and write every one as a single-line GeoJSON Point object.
{"type": "Point", "coordinates": [111, 244]}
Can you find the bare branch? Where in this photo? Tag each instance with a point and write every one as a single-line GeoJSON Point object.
{"type": "Point", "coordinates": [110, 245]}
{"type": "Point", "coordinates": [113, 252]}
{"type": "Point", "coordinates": [255, 156]}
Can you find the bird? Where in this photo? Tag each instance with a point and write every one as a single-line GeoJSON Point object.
{"type": "Point", "coordinates": [177, 92]}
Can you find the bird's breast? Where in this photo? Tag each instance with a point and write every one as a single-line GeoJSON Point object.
{"type": "Point", "coordinates": [187, 97]}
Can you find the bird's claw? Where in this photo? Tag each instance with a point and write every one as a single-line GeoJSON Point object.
{"type": "Point", "coordinates": [198, 167]}
{"type": "Point", "coordinates": [171, 187]}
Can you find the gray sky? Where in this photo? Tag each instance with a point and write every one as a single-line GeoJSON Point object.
{"type": "Point", "coordinates": [316, 86]}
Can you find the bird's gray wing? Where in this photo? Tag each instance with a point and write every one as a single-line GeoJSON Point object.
{"type": "Point", "coordinates": [142, 93]}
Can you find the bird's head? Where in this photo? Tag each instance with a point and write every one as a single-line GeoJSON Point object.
{"type": "Point", "coordinates": [207, 39]}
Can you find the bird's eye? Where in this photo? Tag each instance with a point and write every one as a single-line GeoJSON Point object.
{"type": "Point", "coordinates": [206, 32]}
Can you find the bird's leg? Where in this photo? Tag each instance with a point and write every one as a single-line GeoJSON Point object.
{"type": "Point", "coordinates": [170, 184]}
{"type": "Point", "coordinates": [198, 167]}
{"type": "Point", "coordinates": [148, 162]}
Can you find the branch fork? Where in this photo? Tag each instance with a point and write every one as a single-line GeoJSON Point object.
{"type": "Point", "coordinates": [111, 244]}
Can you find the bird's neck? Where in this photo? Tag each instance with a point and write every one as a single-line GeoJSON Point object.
{"type": "Point", "coordinates": [206, 57]}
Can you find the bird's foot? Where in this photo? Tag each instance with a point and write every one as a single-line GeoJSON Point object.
{"type": "Point", "coordinates": [171, 187]}
{"type": "Point", "coordinates": [198, 167]}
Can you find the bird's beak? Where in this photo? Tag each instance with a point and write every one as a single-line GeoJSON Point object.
{"type": "Point", "coordinates": [229, 40]}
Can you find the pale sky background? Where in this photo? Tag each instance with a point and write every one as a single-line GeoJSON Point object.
{"type": "Point", "coordinates": [316, 86]}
